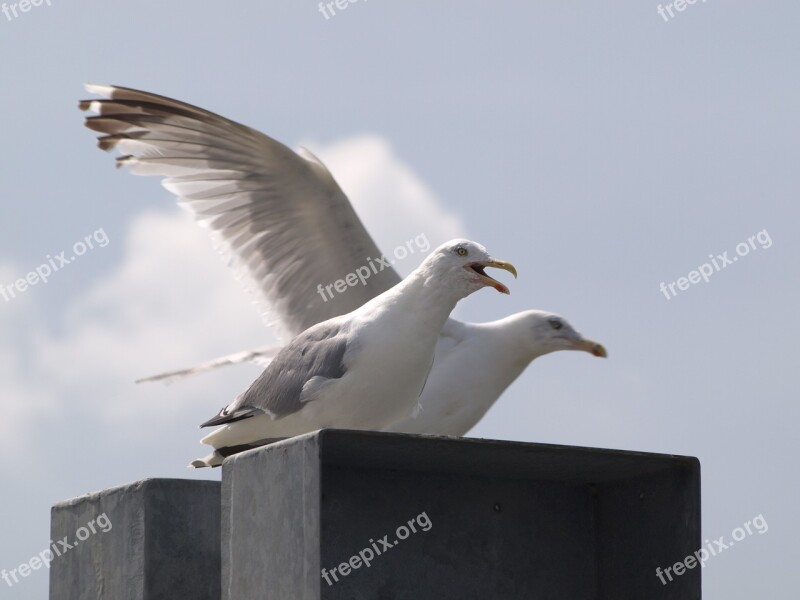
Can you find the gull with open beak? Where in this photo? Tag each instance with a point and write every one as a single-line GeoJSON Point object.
{"type": "Point", "coordinates": [363, 370]}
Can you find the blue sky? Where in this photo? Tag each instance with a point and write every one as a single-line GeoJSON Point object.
{"type": "Point", "coordinates": [599, 147]}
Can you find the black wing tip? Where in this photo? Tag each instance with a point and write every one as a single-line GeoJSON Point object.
{"type": "Point", "coordinates": [218, 419]}
{"type": "Point", "coordinates": [224, 419]}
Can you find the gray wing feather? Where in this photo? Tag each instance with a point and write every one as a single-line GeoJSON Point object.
{"type": "Point", "coordinates": [315, 354]}
{"type": "Point", "coordinates": [285, 221]}
{"type": "Point", "coordinates": [261, 356]}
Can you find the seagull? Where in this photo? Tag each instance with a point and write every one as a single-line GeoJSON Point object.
{"type": "Point", "coordinates": [362, 370]}
{"type": "Point", "coordinates": [287, 226]}
{"type": "Point", "coordinates": [461, 390]}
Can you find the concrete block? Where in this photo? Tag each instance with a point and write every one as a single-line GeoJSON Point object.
{"type": "Point", "coordinates": [155, 539]}
{"type": "Point", "coordinates": [490, 520]}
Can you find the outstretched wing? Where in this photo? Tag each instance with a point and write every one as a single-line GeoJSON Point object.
{"type": "Point", "coordinates": [287, 224]}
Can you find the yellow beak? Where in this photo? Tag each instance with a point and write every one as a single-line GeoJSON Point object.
{"type": "Point", "coordinates": [592, 347]}
{"type": "Point", "coordinates": [490, 281]}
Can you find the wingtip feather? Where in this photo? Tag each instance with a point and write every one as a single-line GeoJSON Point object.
{"type": "Point", "coordinates": [101, 89]}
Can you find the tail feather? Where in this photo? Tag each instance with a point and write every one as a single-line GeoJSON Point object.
{"type": "Point", "coordinates": [216, 458]}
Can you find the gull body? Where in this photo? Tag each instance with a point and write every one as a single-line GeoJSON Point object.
{"type": "Point", "coordinates": [363, 370]}
{"type": "Point", "coordinates": [476, 362]}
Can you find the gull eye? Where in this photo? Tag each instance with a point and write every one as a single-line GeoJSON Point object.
{"type": "Point", "coordinates": [461, 251]}
{"type": "Point", "coordinates": [555, 323]}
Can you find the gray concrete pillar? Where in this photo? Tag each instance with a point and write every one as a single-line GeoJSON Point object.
{"type": "Point", "coordinates": [156, 539]}
{"type": "Point", "coordinates": [417, 517]}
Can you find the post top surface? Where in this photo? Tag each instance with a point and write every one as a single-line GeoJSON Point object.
{"type": "Point", "coordinates": [369, 449]}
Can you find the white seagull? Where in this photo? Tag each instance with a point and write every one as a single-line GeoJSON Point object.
{"type": "Point", "coordinates": [288, 226]}
{"type": "Point", "coordinates": [363, 370]}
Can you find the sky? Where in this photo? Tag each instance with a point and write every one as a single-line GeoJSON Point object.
{"type": "Point", "coordinates": [604, 148]}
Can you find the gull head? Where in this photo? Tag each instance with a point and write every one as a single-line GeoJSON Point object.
{"type": "Point", "coordinates": [462, 263]}
{"type": "Point", "coordinates": [547, 332]}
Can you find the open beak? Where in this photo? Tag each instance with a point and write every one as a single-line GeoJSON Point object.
{"type": "Point", "coordinates": [479, 267]}
{"type": "Point", "coordinates": [591, 347]}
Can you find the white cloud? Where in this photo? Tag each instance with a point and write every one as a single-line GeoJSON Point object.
{"type": "Point", "coordinates": [172, 302]}
{"type": "Point", "coordinates": [24, 396]}
{"type": "Point", "coordinates": [25, 399]}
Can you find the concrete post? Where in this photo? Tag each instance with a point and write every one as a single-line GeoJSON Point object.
{"type": "Point", "coordinates": [400, 516]}
{"type": "Point", "coordinates": [156, 539]}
